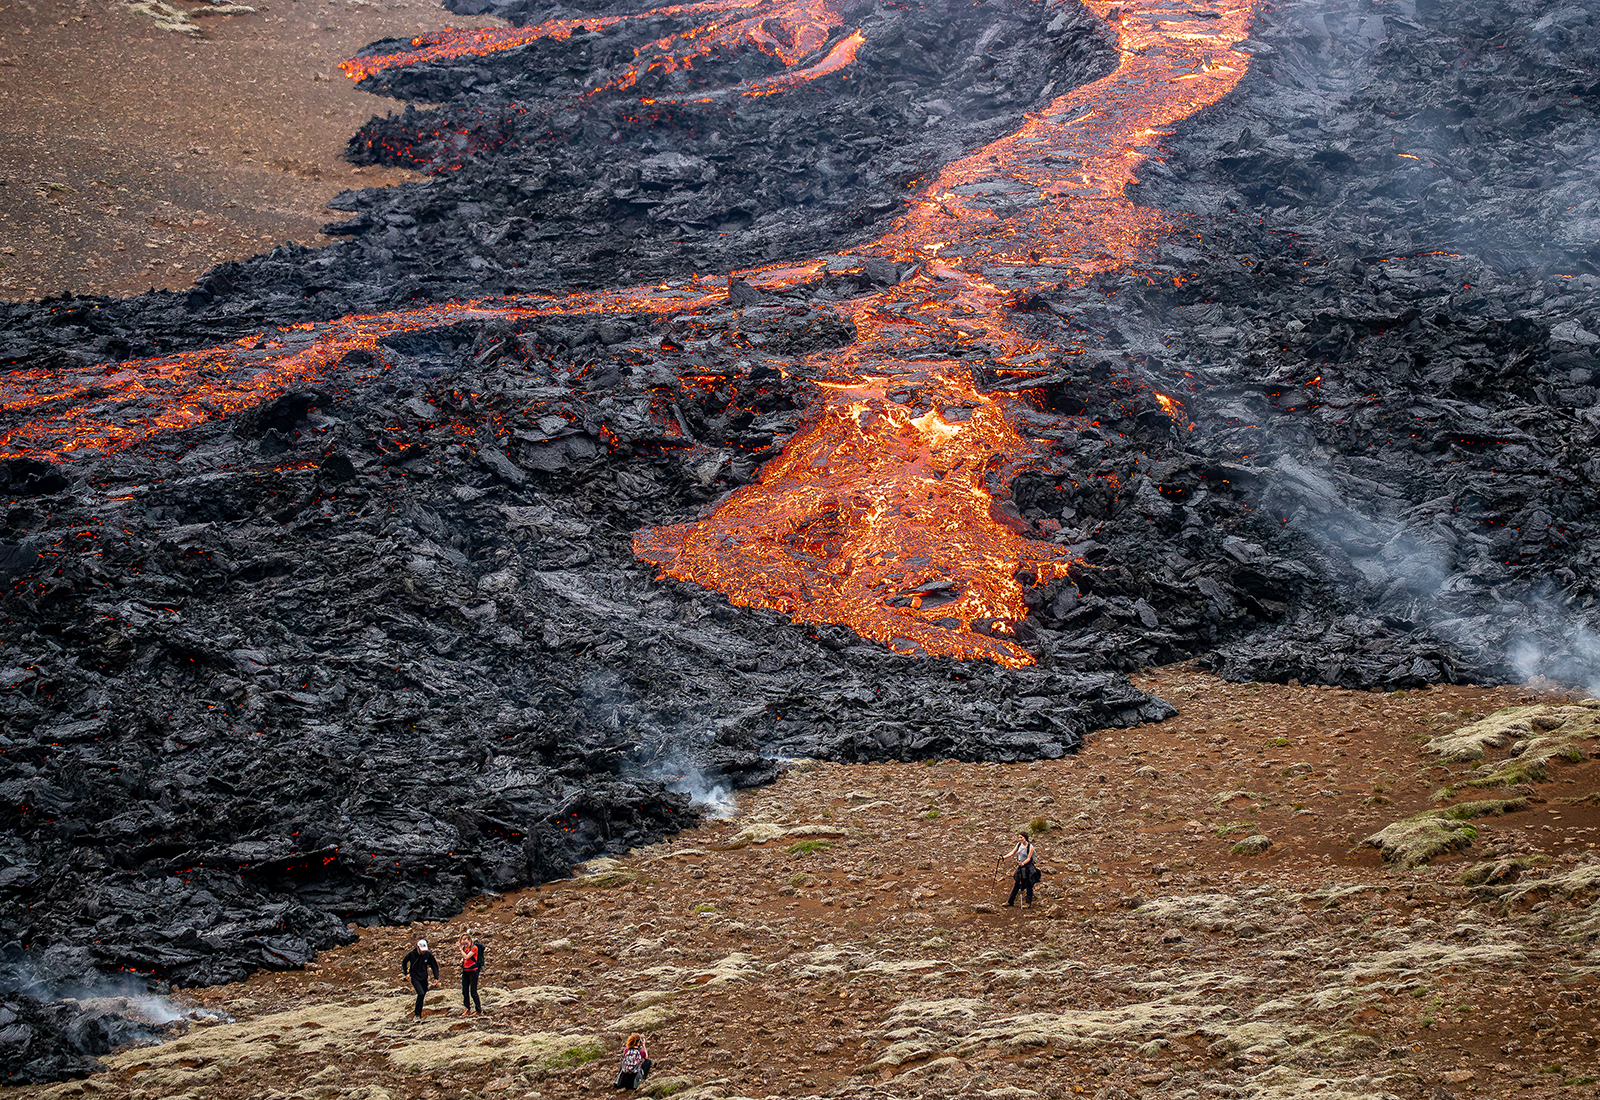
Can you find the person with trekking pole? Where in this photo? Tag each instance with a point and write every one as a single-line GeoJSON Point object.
{"type": "Point", "coordinates": [1026, 875]}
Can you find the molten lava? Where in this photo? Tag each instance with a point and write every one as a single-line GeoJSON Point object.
{"type": "Point", "coordinates": [842, 55]}
{"type": "Point", "coordinates": [789, 31]}
{"type": "Point", "coordinates": [887, 512]}
{"type": "Point", "coordinates": [884, 520]}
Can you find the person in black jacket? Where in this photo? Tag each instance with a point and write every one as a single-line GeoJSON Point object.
{"type": "Point", "coordinates": [471, 967]}
{"type": "Point", "coordinates": [415, 966]}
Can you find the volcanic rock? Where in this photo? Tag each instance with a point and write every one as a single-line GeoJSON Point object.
{"type": "Point", "coordinates": [375, 646]}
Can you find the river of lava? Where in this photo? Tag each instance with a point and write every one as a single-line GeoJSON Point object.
{"type": "Point", "coordinates": [880, 514]}
{"type": "Point", "coordinates": [789, 30]}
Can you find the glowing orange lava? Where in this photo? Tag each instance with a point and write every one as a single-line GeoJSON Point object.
{"type": "Point", "coordinates": [842, 55]}
{"type": "Point", "coordinates": [789, 30]}
{"type": "Point", "coordinates": [114, 407]}
{"type": "Point", "coordinates": [881, 513]}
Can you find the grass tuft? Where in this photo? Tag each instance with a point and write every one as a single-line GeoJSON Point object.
{"type": "Point", "coordinates": [582, 1054]}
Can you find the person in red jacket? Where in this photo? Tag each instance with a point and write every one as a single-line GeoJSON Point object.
{"type": "Point", "coordinates": [471, 967]}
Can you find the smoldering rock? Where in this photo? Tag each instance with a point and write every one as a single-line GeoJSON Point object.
{"type": "Point", "coordinates": [43, 1041]}
{"type": "Point", "coordinates": [1375, 331]}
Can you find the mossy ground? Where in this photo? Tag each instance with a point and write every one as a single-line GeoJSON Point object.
{"type": "Point", "coordinates": [1156, 964]}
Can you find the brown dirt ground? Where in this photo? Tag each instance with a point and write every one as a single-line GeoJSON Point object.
{"type": "Point", "coordinates": [1156, 963]}
{"type": "Point", "coordinates": [136, 157]}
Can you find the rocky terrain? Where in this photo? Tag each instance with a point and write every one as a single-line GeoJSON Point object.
{"type": "Point", "coordinates": [1214, 927]}
{"type": "Point", "coordinates": [288, 656]}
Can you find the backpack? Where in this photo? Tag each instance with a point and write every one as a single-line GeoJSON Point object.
{"type": "Point", "coordinates": [632, 1059]}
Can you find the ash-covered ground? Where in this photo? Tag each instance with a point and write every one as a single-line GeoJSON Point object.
{"type": "Point", "coordinates": [382, 644]}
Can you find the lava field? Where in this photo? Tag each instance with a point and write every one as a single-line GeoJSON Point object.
{"type": "Point", "coordinates": [753, 380]}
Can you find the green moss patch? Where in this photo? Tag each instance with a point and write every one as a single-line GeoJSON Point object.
{"type": "Point", "coordinates": [543, 1049]}
{"type": "Point", "coordinates": [1499, 872]}
{"type": "Point", "coordinates": [1466, 811]}
{"type": "Point", "coordinates": [1416, 840]}
{"type": "Point", "coordinates": [1252, 845]}
{"type": "Point", "coordinates": [1432, 833]}
{"type": "Point", "coordinates": [1534, 737]}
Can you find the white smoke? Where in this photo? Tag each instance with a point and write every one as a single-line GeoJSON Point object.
{"type": "Point", "coordinates": [686, 777]}
{"type": "Point", "coordinates": [1566, 651]}
{"type": "Point", "coordinates": [148, 1010]}
{"type": "Point", "coordinates": [129, 1012]}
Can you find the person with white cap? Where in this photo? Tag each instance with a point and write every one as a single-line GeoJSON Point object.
{"type": "Point", "coordinates": [415, 966]}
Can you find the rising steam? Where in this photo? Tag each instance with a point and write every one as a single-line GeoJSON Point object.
{"type": "Point", "coordinates": [684, 776]}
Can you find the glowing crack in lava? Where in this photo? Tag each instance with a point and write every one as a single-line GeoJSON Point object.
{"type": "Point", "coordinates": [881, 514]}
{"type": "Point", "coordinates": [789, 30]}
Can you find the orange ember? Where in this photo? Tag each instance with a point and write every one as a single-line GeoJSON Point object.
{"type": "Point", "coordinates": [881, 514]}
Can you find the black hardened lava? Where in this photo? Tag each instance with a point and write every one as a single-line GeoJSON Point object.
{"type": "Point", "coordinates": [578, 191]}
{"type": "Point", "coordinates": [1384, 321]}
{"type": "Point", "coordinates": [381, 645]}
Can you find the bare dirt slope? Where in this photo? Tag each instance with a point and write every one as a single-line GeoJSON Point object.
{"type": "Point", "coordinates": [138, 157]}
{"type": "Point", "coordinates": [844, 934]}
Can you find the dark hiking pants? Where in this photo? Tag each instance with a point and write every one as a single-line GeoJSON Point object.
{"type": "Point", "coordinates": [1020, 882]}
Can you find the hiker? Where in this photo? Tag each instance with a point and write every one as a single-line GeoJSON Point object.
{"type": "Point", "coordinates": [471, 967]}
{"type": "Point", "coordinates": [1026, 874]}
{"type": "Point", "coordinates": [415, 966]}
{"type": "Point", "coordinates": [635, 1063]}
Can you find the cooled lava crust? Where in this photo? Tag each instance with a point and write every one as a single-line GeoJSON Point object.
{"type": "Point", "coordinates": [351, 652]}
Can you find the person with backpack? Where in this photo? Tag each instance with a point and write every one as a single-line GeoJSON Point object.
{"type": "Point", "coordinates": [415, 966]}
{"type": "Point", "coordinates": [471, 967]}
{"type": "Point", "coordinates": [635, 1063]}
{"type": "Point", "coordinates": [1026, 875]}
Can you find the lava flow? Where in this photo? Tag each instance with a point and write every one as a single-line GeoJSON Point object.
{"type": "Point", "coordinates": [789, 31]}
{"type": "Point", "coordinates": [882, 514]}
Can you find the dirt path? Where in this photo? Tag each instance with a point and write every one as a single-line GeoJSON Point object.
{"type": "Point", "coordinates": [136, 157]}
{"type": "Point", "coordinates": [844, 935]}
